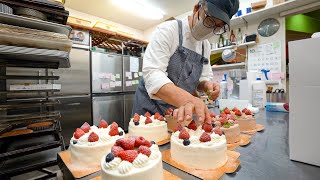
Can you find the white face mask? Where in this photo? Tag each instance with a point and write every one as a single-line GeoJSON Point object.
{"type": "Point", "coordinates": [200, 32]}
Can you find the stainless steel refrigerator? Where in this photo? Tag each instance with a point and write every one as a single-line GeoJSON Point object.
{"type": "Point", "coordinates": [113, 88]}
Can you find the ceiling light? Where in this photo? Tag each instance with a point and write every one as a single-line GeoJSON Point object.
{"type": "Point", "coordinates": [140, 8]}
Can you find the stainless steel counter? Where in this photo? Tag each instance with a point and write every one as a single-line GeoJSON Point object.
{"type": "Point", "coordinates": [267, 156]}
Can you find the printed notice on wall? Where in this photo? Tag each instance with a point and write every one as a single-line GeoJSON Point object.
{"type": "Point", "coordinates": [105, 86]}
{"type": "Point", "coordinates": [128, 83]}
{"type": "Point", "coordinates": [265, 56]}
{"type": "Point", "coordinates": [134, 64]}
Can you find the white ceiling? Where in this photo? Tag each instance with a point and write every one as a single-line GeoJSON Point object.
{"type": "Point", "coordinates": [107, 10]}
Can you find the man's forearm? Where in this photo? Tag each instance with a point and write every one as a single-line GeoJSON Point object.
{"type": "Point", "coordinates": [174, 95]}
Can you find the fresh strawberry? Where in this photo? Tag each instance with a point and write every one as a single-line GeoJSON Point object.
{"type": "Point", "coordinates": [205, 137]}
{"type": "Point", "coordinates": [212, 115]}
{"type": "Point", "coordinates": [85, 127]}
{"type": "Point", "coordinates": [222, 112]}
{"type": "Point", "coordinates": [227, 111]}
{"type": "Point", "coordinates": [113, 132]}
{"type": "Point", "coordinates": [128, 155]}
{"type": "Point", "coordinates": [178, 128]}
{"type": "Point", "coordinates": [118, 142]}
{"type": "Point", "coordinates": [156, 115]}
{"type": "Point", "coordinates": [139, 141]}
{"type": "Point", "coordinates": [116, 150]}
{"type": "Point", "coordinates": [248, 112]}
{"type": "Point", "coordinates": [184, 134]}
{"type": "Point", "coordinates": [136, 117]}
{"type": "Point", "coordinates": [244, 110]}
{"type": "Point", "coordinates": [79, 132]}
{"type": "Point", "coordinates": [223, 116]}
{"type": "Point", "coordinates": [232, 117]}
{"type": "Point", "coordinates": [147, 143]}
{"type": "Point", "coordinates": [223, 120]}
{"type": "Point", "coordinates": [144, 150]}
{"type": "Point", "coordinates": [127, 143]}
{"type": "Point", "coordinates": [161, 118]}
{"type": "Point", "coordinates": [207, 127]}
{"type": "Point", "coordinates": [147, 114]}
{"type": "Point", "coordinates": [93, 137]}
{"type": "Point", "coordinates": [286, 106]}
{"type": "Point", "coordinates": [114, 125]}
{"type": "Point", "coordinates": [103, 124]}
{"type": "Point", "coordinates": [193, 125]}
{"type": "Point", "coordinates": [235, 109]}
{"type": "Point", "coordinates": [217, 130]}
{"type": "Point", "coordinates": [148, 120]}
{"type": "Point", "coordinates": [238, 113]}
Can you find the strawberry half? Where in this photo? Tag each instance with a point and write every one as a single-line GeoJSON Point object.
{"type": "Point", "coordinates": [212, 115]}
{"type": "Point", "coordinates": [232, 117]}
{"type": "Point", "coordinates": [205, 137]}
{"type": "Point", "coordinates": [93, 137]}
{"type": "Point", "coordinates": [136, 117]}
{"type": "Point", "coordinates": [147, 143]}
{"type": "Point", "coordinates": [207, 127]}
{"type": "Point", "coordinates": [116, 150]}
{"type": "Point", "coordinates": [148, 120]}
{"type": "Point", "coordinates": [139, 141]}
{"type": "Point", "coordinates": [218, 131]}
{"type": "Point", "coordinates": [238, 113]}
{"type": "Point", "coordinates": [147, 114]}
{"type": "Point", "coordinates": [193, 125]}
{"type": "Point", "coordinates": [103, 124]}
{"type": "Point", "coordinates": [114, 125]}
{"type": "Point", "coordinates": [79, 132]}
{"type": "Point", "coordinates": [244, 110]}
{"type": "Point", "coordinates": [128, 155]}
{"type": "Point", "coordinates": [184, 134]}
{"type": "Point", "coordinates": [85, 127]}
{"type": "Point", "coordinates": [161, 118]}
{"type": "Point", "coordinates": [178, 128]}
{"type": "Point", "coordinates": [156, 115]}
{"type": "Point", "coordinates": [127, 143]}
{"type": "Point", "coordinates": [113, 132]}
{"type": "Point", "coordinates": [235, 109]}
{"type": "Point", "coordinates": [144, 150]}
{"type": "Point", "coordinates": [248, 112]}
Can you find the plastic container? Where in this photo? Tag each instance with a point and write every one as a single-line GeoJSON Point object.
{"type": "Point", "coordinates": [259, 94]}
{"type": "Point", "coordinates": [277, 107]}
{"type": "Point", "coordinates": [224, 88]}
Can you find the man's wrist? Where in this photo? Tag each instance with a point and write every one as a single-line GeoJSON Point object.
{"type": "Point", "coordinates": [202, 86]}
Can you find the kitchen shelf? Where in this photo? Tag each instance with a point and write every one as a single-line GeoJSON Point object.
{"type": "Point", "coordinates": [29, 91]}
{"type": "Point", "coordinates": [278, 9]}
{"type": "Point", "coordinates": [16, 77]}
{"type": "Point", "coordinates": [24, 105]}
{"type": "Point", "coordinates": [229, 66]}
{"type": "Point", "coordinates": [241, 46]}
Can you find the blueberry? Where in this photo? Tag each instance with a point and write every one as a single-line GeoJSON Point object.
{"type": "Point", "coordinates": [222, 133]}
{"type": "Point", "coordinates": [121, 133]}
{"type": "Point", "coordinates": [109, 157]}
{"type": "Point", "coordinates": [152, 142]}
{"type": "Point", "coordinates": [186, 142]}
{"type": "Point", "coordinates": [136, 123]}
{"type": "Point", "coordinates": [213, 124]}
{"type": "Point", "coordinates": [75, 141]}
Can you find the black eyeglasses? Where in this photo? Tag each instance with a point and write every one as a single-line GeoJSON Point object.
{"type": "Point", "coordinates": [209, 22]}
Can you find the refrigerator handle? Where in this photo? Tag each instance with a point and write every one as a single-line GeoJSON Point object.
{"type": "Point", "coordinates": [52, 74]}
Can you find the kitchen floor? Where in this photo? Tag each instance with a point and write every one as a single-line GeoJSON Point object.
{"type": "Point", "coordinates": [37, 174]}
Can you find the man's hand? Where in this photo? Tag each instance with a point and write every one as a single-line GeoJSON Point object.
{"type": "Point", "coordinates": [212, 90]}
{"type": "Point", "coordinates": [185, 112]}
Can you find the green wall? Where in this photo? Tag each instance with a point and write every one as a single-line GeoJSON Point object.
{"type": "Point", "coordinates": [302, 23]}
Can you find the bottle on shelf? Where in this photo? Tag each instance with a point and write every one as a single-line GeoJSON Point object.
{"type": "Point", "coordinates": [226, 40]}
{"type": "Point", "coordinates": [221, 41]}
{"type": "Point", "coordinates": [239, 37]}
{"type": "Point", "coordinates": [224, 88]}
{"type": "Point", "coordinates": [232, 38]}
{"type": "Point", "coordinates": [259, 93]}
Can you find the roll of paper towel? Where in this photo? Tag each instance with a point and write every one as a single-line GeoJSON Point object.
{"type": "Point", "coordinates": [251, 77]}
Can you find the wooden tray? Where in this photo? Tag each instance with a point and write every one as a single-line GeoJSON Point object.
{"type": "Point", "coordinates": [259, 127]}
{"type": "Point", "coordinates": [230, 167]}
{"type": "Point", "coordinates": [244, 140]}
{"type": "Point", "coordinates": [167, 176]}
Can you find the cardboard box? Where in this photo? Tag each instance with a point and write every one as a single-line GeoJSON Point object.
{"type": "Point", "coordinates": [30, 87]}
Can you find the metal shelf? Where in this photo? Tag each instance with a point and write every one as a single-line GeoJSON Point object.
{"type": "Point", "coordinates": [240, 46]}
{"type": "Point", "coordinates": [25, 105]}
{"type": "Point", "coordinates": [29, 91]}
{"type": "Point", "coordinates": [15, 77]}
{"type": "Point", "coordinates": [229, 66]}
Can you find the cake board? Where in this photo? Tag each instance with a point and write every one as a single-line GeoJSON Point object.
{"type": "Point", "coordinates": [259, 127]}
{"type": "Point", "coordinates": [244, 140]}
{"type": "Point", "coordinates": [71, 172]}
{"type": "Point", "coordinates": [231, 166]}
{"type": "Point", "coordinates": [167, 176]}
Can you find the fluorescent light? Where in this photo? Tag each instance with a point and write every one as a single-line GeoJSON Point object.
{"type": "Point", "coordinates": [140, 8]}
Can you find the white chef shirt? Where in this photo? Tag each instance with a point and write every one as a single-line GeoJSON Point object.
{"type": "Point", "coordinates": [163, 44]}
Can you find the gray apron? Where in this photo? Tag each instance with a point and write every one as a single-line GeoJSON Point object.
{"type": "Point", "coordinates": [184, 70]}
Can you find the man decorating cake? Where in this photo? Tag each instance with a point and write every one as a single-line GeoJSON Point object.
{"type": "Point", "coordinates": [176, 63]}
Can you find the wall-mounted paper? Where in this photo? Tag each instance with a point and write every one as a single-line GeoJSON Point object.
{"type": "Point", "coordinates": [134, 64]}
{"type": "Point", "coordinates": [128, 74]}
{"type": "Point", "coordinates": [118, 76]}
{"type": "Point", "coordinates": [133, 82]}
{"type": "Point", "coordinates": [113, 78]}
{"type": "Point", "coordinates": [135, 75]}
{"type": "Point", "coordinates": [118, 83]}
{"type": "Point", "coordinates": [112, 84]}
{"type": "Point", "coordinates": [130, 77]}
{"type": "Point", "coordinates": [140, 74]}
{"type": "Point", "coordinates": [137, 81]}
{"type": "Point", "coordinates": [128, 83]}
{"type": "Point", "coordinates": [105, 86]}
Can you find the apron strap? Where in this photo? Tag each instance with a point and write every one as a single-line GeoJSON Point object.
{"type": "Point", "coordinates": [202, 49]}
{"type": "Point", "coordinates": [180, 32]}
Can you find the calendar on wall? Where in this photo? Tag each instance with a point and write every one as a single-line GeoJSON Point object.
{"type": "Point", "coordinates": [265, 56]}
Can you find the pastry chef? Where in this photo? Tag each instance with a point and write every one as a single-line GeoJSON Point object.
{"type": "Point", "coordinates": [176, 63]}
